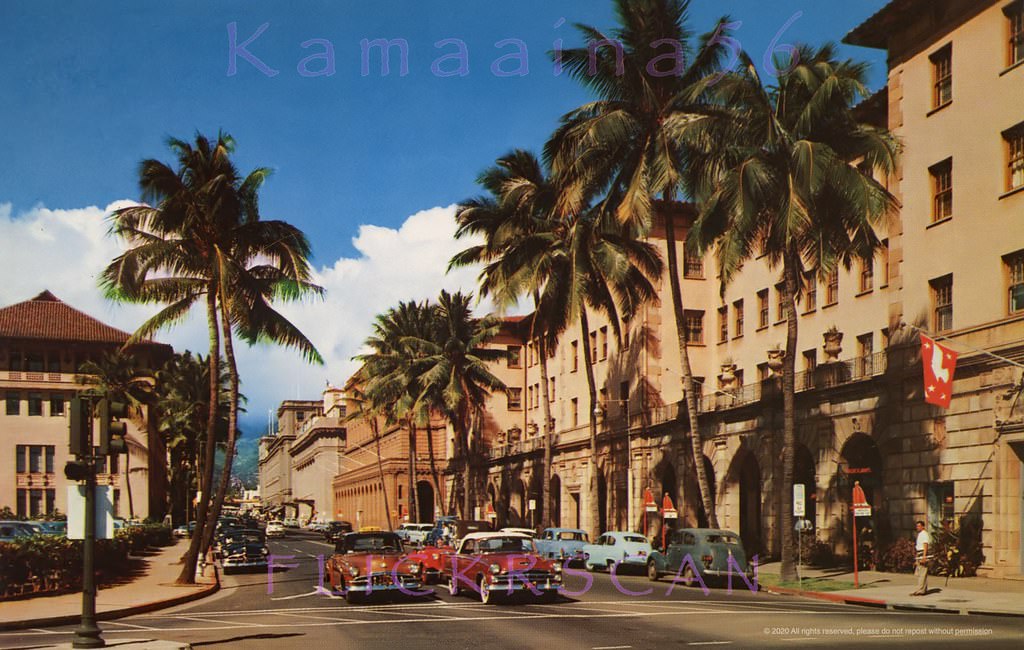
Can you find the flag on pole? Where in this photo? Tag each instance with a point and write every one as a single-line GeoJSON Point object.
{"type": "Point", "coordinates": [938, 363]}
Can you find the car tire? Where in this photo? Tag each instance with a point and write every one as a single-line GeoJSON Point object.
{"type": "Point", "coordinates": [354, 597]}
{"type": "Point", "coordinates": [547, 597]}
{"type": "Point", "coordinates": [689, 577]}
{"type": "Point", "coordinates": [610, 566]}
{"type": "Point", "coordinates": [453, 587]}
{"type": "Point", "coordinates": [487, 595]}
{"type": "Point", "coordinates": [652, 571]}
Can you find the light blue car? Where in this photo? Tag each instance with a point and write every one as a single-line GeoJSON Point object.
{"type": "Point", "coordinates": [563, 544]}
{"type": "Point", "coordinates": [616, 548]}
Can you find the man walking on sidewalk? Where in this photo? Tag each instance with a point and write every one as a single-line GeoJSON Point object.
{"type": "Point", "coordinates": [924, 540]}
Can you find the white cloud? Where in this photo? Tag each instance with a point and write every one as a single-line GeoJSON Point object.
{"type": "Point", "coordinates": [65, 250]}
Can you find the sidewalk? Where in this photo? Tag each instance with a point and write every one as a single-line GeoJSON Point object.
{"type": "Point", "coordinates": [154, 589]}
{"type": "Point", "coordinates": [892, 591]}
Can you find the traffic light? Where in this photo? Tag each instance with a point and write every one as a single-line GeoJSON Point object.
{"type": "Point", "coordinates": [80, 428]}
{"type": "Point", "coordinates": [76, 470]}
{"type": "Point", "coordinates": [112, 430]}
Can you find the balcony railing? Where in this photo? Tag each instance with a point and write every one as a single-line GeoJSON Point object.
{"type": "Point", "coordinates": [36, 376]}
{"type": "Point", "coordinates": [826, 375]}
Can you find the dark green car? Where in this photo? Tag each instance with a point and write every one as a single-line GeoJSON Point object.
{"type": "Point", "coordinates": [698, 554]}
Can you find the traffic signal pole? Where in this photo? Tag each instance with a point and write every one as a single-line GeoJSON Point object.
{"type": "Point", "coordinates": [87, 635]}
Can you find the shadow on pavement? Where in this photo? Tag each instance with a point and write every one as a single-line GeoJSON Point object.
{"type": "Point", "coordinates": [248, 637]}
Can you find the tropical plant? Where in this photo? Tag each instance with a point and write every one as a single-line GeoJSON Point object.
{"type": "Point", "coordinates": [772, 170]}
{"type": "Point", "coordinates": [117, 376]}
{"type": "Point", "coordinates": [201, 237]}
{"type": "Point", "coordinates": [626, 139]}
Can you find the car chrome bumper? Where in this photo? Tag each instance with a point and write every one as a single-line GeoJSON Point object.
{"type": "Point", "coordinates": [385, 582]}
{"type": "Point", "coordinates": [505, 584]}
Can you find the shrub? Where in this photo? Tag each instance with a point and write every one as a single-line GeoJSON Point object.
{"type": "Point", "coordinates": [812, 551]}
{"type": "Point", "coordinates": [898, 557]}
{"type": "Point", "coordinates": [956, 551]}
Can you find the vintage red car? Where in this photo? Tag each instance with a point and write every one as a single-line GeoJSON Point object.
{"type": "Point", "coordinates": [499, 565]}
{"type": "Point", "coordinates": [434, 557]}
{"type": "Point", "coordinates": [365, 564]}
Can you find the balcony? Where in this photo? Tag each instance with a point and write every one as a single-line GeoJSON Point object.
{"type": "Point", "coordinates": [38, 377]}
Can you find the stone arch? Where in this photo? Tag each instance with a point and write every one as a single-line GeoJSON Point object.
{"type": "Point", "coordinates": [425, 500]}
{"type": "Point", "coordinates": [804, 473]}
{"type": "Point", "coordinates": [860, 460]}
{"type": "Point", "coordinates": [741, 500]}
{"type": "Point", "coordinates": [602, 500]}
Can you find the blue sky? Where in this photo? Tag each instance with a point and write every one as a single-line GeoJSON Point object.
{"type": "Point", "coordinates": [367, 166]}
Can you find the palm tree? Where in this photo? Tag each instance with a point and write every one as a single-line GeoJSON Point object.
{"type": "Point", "coordinates": [204, 240]}
{"type": "Point", "coordinates": [625, 140]}
{"type": "Point", "coordinates": [117, 376]}
{"type": "Point", "coordinates": [779, 178]}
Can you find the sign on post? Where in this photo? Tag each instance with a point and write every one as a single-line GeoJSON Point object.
{"type": "Point", "coordinates": [533, 504]}
{"type": "Point", "coordinates": [104, 507]}
{"type": "Point", "coordinates": [799, 500]}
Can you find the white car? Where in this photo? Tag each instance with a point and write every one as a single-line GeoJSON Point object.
{"type": "Point", "coordinates": [529, 532]}
{"type": "Point", "coordinates": [275, 529]}
{"type": "Point", "coordinates": [414, 533]}
{"type": "Point", "coordinates": [291, 522]}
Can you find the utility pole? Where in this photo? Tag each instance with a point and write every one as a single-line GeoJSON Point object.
{"type": "Point", "coordinates": [83, 468]}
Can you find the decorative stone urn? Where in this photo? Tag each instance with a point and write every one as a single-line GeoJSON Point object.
{"type": "Point", "coordinates": [833, 344]}
{"type": "Point", "coordinates": [502, 437]}
{"type": "Point", "coordinates": [775, 357]}
{"type": "Point", "coordinates": [532, 428]}
{"type": "Point", "coordinates": [515, 434]}
{"type": "Point", "coordinates": [727, 378]}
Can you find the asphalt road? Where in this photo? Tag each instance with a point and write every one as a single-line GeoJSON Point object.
{"type": "Point", "coordinates": [288, 610]}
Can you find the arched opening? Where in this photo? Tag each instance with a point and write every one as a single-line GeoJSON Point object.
{"type": "Point", "coordinates": [602, 502]}
{"type": "Point", "coordinates": [861, 462]}
{"type": "Point", "coordinates": [742, 501]}
{"type": "Point", "coordinates": [425, 500]}
{"type": "Point", "coordinates": [556, 500]}
{"type": "Point", "coordinates": [523, 514]}
{"type": "Point", "coordinates": [804, 474]}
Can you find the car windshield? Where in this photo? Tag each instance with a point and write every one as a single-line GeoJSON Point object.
{"type": "Point", "coordinates": [636, 539]}
{"type": "Point", "coordinates": [723, 539]}
{"type": "Point", "coordinates": [363, 542]}
{"type": "Point", "coordinates": [570, 536]}
{"type": "Point", "coordinates": [506, 545]}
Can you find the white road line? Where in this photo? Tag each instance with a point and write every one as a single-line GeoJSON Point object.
{"type": "Point", "coordinates": [709, 643]}
{"type": "Point", "coordinates": [610, 647]}
{"type": "Point", "coordinates": [312, 593]}
{"type": "Point", "coordinates": [316, 618]}
{"type": "Point", "coordinates": [132, 625]}
{"type": "Point", "coordinates": [207, 619]}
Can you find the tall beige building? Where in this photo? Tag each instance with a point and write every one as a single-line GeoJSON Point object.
{"type": "Point", "coordinates": [43, 341]}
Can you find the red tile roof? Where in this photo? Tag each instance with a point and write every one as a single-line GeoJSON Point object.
{"type": "Point", "coordinates": [47, 317]}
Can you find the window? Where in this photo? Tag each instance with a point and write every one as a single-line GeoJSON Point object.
{"type": "Point", "coordinates": [515, 356]}
{"type": "Point", "coordinates": [13, 403]}
{"type": "Point", "coordinates": [602, 400]}
{"type": "Point", "coordinates": [739, 379]}
{"type": "Point", "coordinates": [35, 459]}
{"type": "Point", "coordinates": [737, 310]}
{"type": "Point", "coordinates": [34, 362]}
{"type": "Point", "coordinates": [530, 397]}
{"type": "Point", "coordinates": [531, 354]}
{"type": "Point", "coordinates": [723, 324]}
{"type": "Point", "coordinates": [575, 352]}
{"type": "Point", "coordinates": [56, 404]}
{"type": "Point", "coordinates": [19, 458]}
{"type": "Point", "coordinates": [832, 289]}
{"type": "Point", "coordinates": [1014, 157]}
{"type": "Point", "coordinates": [35, 403]}
{"type": "Point", "coordinates": [780, 302]}
{"type": "Point", "coordinates": [575, 411]}
{"type": "Point", "coordinates": [299, 415]}
{"type": "Point", "coordinates": [865, 352]}
{"type": "Point", "coordinates": [762, 372]}
{"type": "Point", "coordinates": [811, 292]}
{"type": "Point", "coordinates": [1015, 15]}
{"type": "Point", "coordinates": [15, 362]}
{"type": "Point", "coordinates": [604, 342]}
{"type": "Point", "coordinates": [515, 399]}
{"type": "Point", "coordinates": [551, 389]}
{"type": "Point", "coordinates": [53, 361]}
{"type": "Point", "coordinates": [593, 346]}
{"type": "Point", "coordinates": [884, 333]}
{"type": "Point", "coordinates": [762, 308]}
{"type": "Point", "coordinates": [867, 275]}
{"type": "Point", "coordinates": [49, 451]}
{"type": "Point", "coordinates": [810, 364]}
{"type": "Point", "coordinates": [693, 267]}
{"type": "Point", "coordinates": [885, 263]}
{"type": "Point", "coordinates": [941, 504]}
{"type": "Point", "coordinates": [942, 190]}
{"type": "Point", "coordinates": [536, 395]}
{"type": "Point", "coordinates": [624, 393]}
{"type": "Point", "coordinates": [942, 301]}
{"type": "Point", "coordinates": [1015, 271]}
{"type": "Point", "coordinates": [942, 76]}
{"type": "Point", "coordinates": [694, 322]}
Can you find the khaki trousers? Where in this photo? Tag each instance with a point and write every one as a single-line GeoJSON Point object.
{"type": "Point", "coordinates": [921, 572]}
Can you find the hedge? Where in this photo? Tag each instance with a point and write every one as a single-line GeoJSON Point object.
{"type": "Point", "coordinates": [51, 564]}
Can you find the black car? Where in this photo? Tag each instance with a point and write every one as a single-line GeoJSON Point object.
{"type": "Point", "coordinates": [243, 555]}
{"type": "Point", "coordinates": [335, 530]}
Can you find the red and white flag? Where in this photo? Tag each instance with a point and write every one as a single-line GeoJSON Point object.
{"type": "Point", "coordinates": [939, 363]}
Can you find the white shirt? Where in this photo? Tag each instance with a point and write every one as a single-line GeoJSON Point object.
{"type": "Point", "coordinates": [923, 538]}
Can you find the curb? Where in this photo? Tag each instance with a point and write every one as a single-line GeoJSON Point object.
{"type": "Point", "coordinates": [882, 604]}
{"type": "Point", "coordinates": [116, 613]}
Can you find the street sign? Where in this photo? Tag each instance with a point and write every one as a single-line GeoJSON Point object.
{"type": "Point", "coordinates": [862, 511]}
{"type": "Point", "coordinates": [650, 507]}
{"type": "Point", "coordinates": [799, 500]}
{"type": "Point", "coordinates": [671, 514]}
{"type": "Point", "coordinates": [533, 504]}
{"type": "Point", "coordinates": [104, 508]}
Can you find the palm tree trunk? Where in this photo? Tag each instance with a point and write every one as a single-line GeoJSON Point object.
{"type": "Point", "coordinates": [188, 572]}
{"type": "Point", "coordinates": [229, 450]}
{"type": "Point", "coordinates": [547, 508]}
{"type": "Point", "coordinates": [128, 481]}
{"type": "Point", "coordinates": [414, 515]}
{"type": "Point", "coordinates": [439, 487]}
{"type": "Point", "coordinates": [689, 392]}
{"type": "Point", "coordinates": [467, 476]}
{"type": "Point", "coordinates": [380, 470]}
{"type": "Point", "coordinates": [588, 363]}
{"type": "Point", "coordinates": [790, 267]}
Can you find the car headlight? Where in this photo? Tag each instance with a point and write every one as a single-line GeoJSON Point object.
{"type": "Point", "coordinates": [557, 567]}
{"type": "Point", "coordinates": [353, 571]}
{"type": "Point", "coordinates": [264, 550]}
{"type": "Point", "coordinates": [495, 569]}
{"type": "Point", "coordinates": [414, 567]}
{"type": "Point", "coordinates": [434, 556]}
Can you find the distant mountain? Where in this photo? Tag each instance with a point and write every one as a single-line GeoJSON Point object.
{"type": "Point", "coordinates": [246, 465]}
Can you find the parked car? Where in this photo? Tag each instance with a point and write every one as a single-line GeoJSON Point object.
{"type": "Point", "coordinates": [250, 553]}
{"type": "Point", "coordinates": [275, 529]}
{"type": "Point", "coordinates": [10, 531]}
{"type": "Point", "coordinates": [54, 527]}
{"type": "Point", "coordinates": [27, 530]}
{"type": "Point", "coordinates": [364, 564]}
{"type": "Point", "coordinates": [704, 550]}
{"type": "Point", "coordinates": [615, 548]}
{"type": "Point", "coordinates": [529, 532]}
{"type": "Point", "coordinates": [437, 533]}
{"type": "Point", "coordinates": [498, 564]}
{"type": "Point", "coordinates": [185, 531]}
{"type": "Point", "coordinates": [291, 522]}
{"type": "Point", "coordinates": [413, 533]}
{"type": "Point", "coordinates": [335, 529]}
{"type": "Point", "coordinates": [562, 544]}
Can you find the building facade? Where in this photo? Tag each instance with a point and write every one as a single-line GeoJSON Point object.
{"type": "Point", "coordinates": [43, 342]}
{"type": "Point", "coordinates": [275, 460]}
{"type": "Point", "coordinates": [316, 456]}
